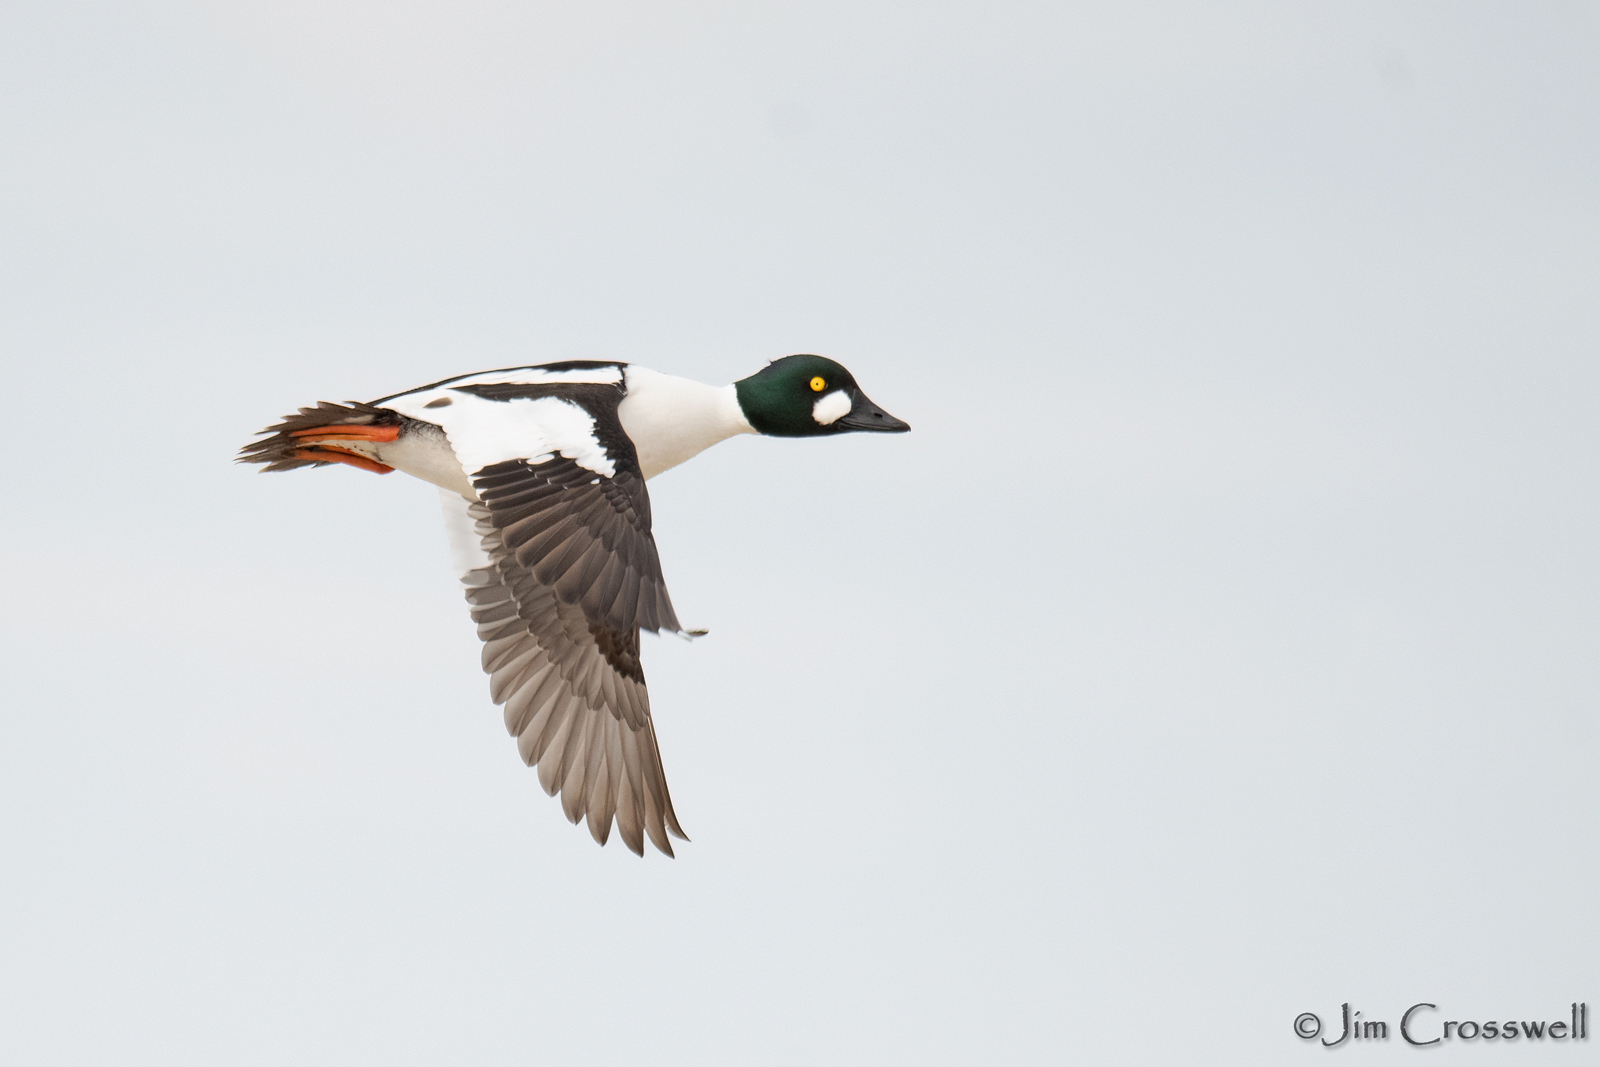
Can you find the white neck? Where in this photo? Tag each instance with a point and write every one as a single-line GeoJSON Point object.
{"type": "Point", "coordinates": [673, 419]}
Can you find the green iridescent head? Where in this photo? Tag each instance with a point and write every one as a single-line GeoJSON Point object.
{"type": "Point", "coordinates": [809, 396]}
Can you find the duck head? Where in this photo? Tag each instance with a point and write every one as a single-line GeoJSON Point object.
{"type": "Point", "coordinates": [810, 396]}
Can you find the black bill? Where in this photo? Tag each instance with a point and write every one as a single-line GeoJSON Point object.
{"type": "Point", "coordinates": [865, 415]}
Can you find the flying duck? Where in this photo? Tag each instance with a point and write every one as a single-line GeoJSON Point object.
{"type": "Point", "coordinates": [542, 473]}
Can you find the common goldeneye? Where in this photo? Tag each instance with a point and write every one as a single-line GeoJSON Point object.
{"type": "Point", "coordinates": [541, 471]}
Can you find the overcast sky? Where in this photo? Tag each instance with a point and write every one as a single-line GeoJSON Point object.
{"type": "Point", "coordinates": [1220, 645]}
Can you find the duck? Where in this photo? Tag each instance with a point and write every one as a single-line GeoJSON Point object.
{"type": "Point", "coordinates": [541, 472]}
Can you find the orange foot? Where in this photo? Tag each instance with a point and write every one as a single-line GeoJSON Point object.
{"type": "Point", "coordinates": [321, 444]}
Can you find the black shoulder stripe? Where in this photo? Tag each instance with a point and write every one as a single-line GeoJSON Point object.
{"type": "Point", "coordinates": [579, 364]}
{"type": "Point", "coordinates": [569, 365]}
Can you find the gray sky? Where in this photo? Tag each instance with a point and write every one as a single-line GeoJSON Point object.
{"type": "Point", "coordinates": [1220, 645]}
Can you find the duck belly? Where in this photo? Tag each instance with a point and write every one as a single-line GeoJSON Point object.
{"type": "Point", "coordinates": [423, 451]}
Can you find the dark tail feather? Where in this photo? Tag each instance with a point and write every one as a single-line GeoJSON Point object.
{"type": "Point", "coordinates": [278, 449]}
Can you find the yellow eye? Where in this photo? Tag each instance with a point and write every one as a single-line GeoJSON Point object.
{"type": "Point", "coordinates": [818, 385]}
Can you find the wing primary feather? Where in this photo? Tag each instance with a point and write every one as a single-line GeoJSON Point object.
{"type": "Point", "coordinates": [582, 573]}
{"type": "Point", "coordinates": [550, 759]}
{"type": "Point", "coordinates": [601, 597]}
{"type": "Point", "coordinates": [547, 726]}
{"type": "Point", "coordinates": [600, 803]}
{"type": "Point", "coordinates": [630, 816]}
{"type": "Point", "coordinates": [526, 702]}
{"type": "Point", "coordinates": [650, 809]}
{"type": "Point", "coordinates": [575, 765]}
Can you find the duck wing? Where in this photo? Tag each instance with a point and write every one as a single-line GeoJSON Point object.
{"type": "Point", "coordinates": [546, 453]}
{"type": "Point", "coordinates": [561, 573]}
{"type": "Point", "coordinates": [572, 686]}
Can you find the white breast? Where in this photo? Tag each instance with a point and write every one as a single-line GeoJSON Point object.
{"type": "Point", "coordinates": [673, 419]}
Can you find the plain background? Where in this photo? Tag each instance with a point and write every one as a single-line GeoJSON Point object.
{"type": "Point", "coordinates": [1220, 645]}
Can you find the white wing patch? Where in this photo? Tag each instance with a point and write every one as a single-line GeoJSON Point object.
{"type": "Point", "coordinates": [492, 431]}
{"type": "Point", "coordinates": [831, 408]}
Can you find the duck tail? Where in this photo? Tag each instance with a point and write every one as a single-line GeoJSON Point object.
{"type": "Point", "coordinates": [280, 449]}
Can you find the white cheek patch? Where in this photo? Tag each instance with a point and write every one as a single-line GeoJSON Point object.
{"type": "Point", "coordinates": [831, 408]}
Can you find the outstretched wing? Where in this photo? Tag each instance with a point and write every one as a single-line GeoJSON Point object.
{"type": "Point", "coordinates": [558, 561]}
{"type": "Point", "coordinates": [573, 690]}
{"type": "Point", "coordinates": [547, 455]}
{"type": "Point", "coordinates": [561, 573]}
